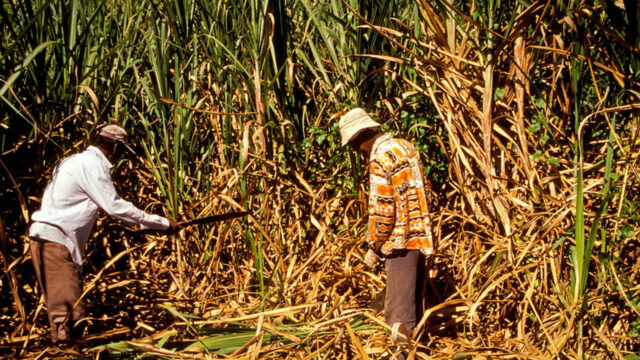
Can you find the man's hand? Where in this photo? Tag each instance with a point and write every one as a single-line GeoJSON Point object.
{"type": "Point", "coordinates": [371, 259]}
{"type": "Point", "coordinates": [174, 226]}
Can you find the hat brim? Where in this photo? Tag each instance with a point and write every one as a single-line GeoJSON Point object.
{"type": "Point", "coordinates": [355, 135]}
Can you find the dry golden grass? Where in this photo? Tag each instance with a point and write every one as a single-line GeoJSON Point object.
{"type": "Point", "coordinates": [288, 281]}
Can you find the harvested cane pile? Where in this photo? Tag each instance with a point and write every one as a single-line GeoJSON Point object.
{"type": "Point", "coordinates": [526, 114]}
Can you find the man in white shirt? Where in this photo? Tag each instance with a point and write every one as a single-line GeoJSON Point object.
{"type": "Point", "coordinates": [79, 186]}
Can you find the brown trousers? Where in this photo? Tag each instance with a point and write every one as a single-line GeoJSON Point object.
{"type": "Point", "coordinates": [59, 279]}
{"type": "Point", "coordinates": [405, 280]}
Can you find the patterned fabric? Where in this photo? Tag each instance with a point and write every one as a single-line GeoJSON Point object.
{"type": "Point", "coordinates": [398, 209]}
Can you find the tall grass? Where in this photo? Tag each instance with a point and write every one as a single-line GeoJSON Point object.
{"type": "Point", "coordinates": [527, 217]}
{"type": "Point", "coordinates": [523, 112]}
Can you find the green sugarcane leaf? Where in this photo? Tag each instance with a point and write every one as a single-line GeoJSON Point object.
{"type": "Point", "coordinates": [27, 60]}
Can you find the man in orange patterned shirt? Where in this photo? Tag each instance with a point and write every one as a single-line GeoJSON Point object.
{"type": "Point", "coordinates": [399, 221]}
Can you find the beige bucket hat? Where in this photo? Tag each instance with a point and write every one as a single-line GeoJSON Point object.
{"type": "Point", "coordinates": [114, 132]}
{"type": "Point", "coordinates": [352, 123]}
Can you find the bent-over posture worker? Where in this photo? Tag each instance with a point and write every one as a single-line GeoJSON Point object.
{"type": "Point", "coordinates": [79, 186]}
{"type": "Point", "coordinates": [399, 221]}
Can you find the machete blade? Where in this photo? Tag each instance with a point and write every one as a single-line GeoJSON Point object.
{"type": "Point", "coordinates": [203, 220]}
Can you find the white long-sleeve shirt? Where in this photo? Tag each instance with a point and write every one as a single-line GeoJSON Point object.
{"type": "Point", "coordinates": [79, 186]}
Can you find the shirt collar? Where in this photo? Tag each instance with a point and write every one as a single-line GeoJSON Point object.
{"type": "Point", "coordinates": [100, 155]}
{"type": "Point", "coordinates": [379, 141]}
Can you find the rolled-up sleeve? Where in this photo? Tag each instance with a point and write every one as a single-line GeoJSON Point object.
{"type": "Point", "coordinates": [99, 187]}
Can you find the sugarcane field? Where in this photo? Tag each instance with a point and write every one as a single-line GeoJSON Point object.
{"type": "Point", "coordinates": [330, 179]}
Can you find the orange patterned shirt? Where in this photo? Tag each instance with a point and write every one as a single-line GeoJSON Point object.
{"type": "Point", "coordinates": [398, 208]}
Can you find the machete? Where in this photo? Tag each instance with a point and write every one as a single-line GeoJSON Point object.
{"type": "Point", "coordinates": [214, 218]}
{"type": "Point", "coordinates": [202, 220]}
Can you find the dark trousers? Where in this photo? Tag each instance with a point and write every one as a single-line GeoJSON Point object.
{"type": "Point", "coordinates": [403, 299]}
{"type": "Point", "coordinates": [59, 279]}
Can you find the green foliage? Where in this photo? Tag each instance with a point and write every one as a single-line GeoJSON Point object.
{"type": "Point", "coordinates": [227, 339]}
{"type": "Point", "coordinates": [635, 356]}
{"type": "Point", "coordinates": [634, 330]}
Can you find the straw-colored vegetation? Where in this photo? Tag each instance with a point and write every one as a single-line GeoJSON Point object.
{"type": "Point", "coordinates": [525, 112]}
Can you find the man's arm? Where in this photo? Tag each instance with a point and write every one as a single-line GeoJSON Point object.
{"type": "Point", "coordinates": [381, 209]}
{"type": "Point", "coordinates": [98, 185]}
